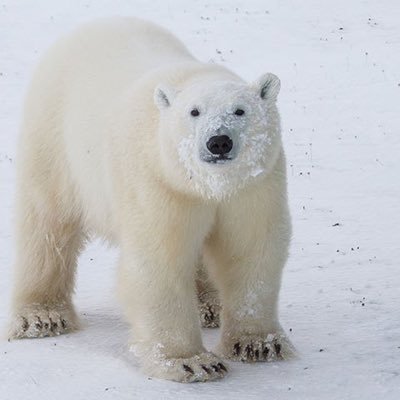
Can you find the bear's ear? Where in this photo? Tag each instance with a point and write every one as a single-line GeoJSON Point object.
{"type": "Point", "coordinates": [268, 86]}
{"type": "Point", "coordinates": [163, 96]}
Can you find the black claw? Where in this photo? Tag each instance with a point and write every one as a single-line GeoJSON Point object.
{"type": "Point", "coordinates": [222, 366]}
{"type": "Point", "coordinates": [249, 351]}
{"type": "Point", "coordinates": [236, 349]}
{"type": "Point", "coordinates": [278, 348]}
{"type": "Point", "coordinates": [216, 368]}
{"type": "Point", "coordinates": [206, 369]}
{"type": "Point", "coordinates": [39, 324]}
{"type": "Point", "coordinates": [265, 352]}
{"type": "Point", "coordinates": [188, 369]}
{"type": "Point", "coordinates": [257, 354]}
{"type": "Point", "coordinates": [46, 325]}
{"type": "Point", "coordinates": [63, 323]}
{"type": "Point", "coordinates": [25, 324]}
{"type": "Point", "coordinates": [51, 324]}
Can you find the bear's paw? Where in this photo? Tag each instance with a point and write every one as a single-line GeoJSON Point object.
{"type": "Point", "coordinates": [253, 348]}
{"type": "Point", "coordinates": [209, 314]}
{"type": "Point", "coordinates": [38, 321]}
{"type": "Point", "coordinates": [198, 368]}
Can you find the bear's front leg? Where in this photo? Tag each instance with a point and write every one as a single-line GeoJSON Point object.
{"type": "Point", "coordinates": [246, 254]}
{"type": "Point", "coordinates": [47, 253]}
{"type": "Point", "coordinates": [157, 286]}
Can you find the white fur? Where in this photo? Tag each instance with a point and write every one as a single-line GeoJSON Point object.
{"type": "Point", "coordinates": [109, 147]}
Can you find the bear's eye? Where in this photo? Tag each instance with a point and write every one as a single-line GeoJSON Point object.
{"type": "Point", "coordinates": [195, 112]}
{"type": "Point", "coordinates": [239, 112]}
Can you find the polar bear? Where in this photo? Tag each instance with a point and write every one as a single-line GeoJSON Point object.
{"type": "Point", "coordinates": [180, 163]}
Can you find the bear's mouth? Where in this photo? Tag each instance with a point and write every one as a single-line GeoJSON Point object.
{"type": "Point", "coordinates": [217, 159]}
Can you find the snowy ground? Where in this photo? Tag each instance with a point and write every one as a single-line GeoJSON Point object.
{"type": "Point", "coordinates": [339, 62]}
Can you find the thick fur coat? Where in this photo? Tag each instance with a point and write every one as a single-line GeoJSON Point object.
{"type": "Point", "coordinates": [120, 139]}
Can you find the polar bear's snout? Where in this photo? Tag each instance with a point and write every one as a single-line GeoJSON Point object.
{"type": "Point", "coordinates": [220, 145]}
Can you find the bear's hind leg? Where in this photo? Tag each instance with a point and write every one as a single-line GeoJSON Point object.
{"type": "Point", "coordinates": [209, 303]}
{"type": "Point", "coordinates": [47, 251]}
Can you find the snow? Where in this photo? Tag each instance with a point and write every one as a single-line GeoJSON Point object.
{"type": "Point", "coordinates": [339, 66]}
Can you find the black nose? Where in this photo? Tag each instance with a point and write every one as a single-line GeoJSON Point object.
{"type": "Point", "coordinates": [220, 144]}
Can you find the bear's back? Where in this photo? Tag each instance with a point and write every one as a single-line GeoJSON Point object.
{"type": "Point", "coordinates": [115, 52]}
{"type": "Point", "coordinates": [128, 45]}
{"type": "Point", "coordinates": [103, 57]}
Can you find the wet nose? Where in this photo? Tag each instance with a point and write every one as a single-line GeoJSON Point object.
{"type": "Point", "coordinates": [219, 145]}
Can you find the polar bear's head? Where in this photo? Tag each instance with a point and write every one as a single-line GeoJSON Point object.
{"type": "Point", "coordinates": [223, 134]}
